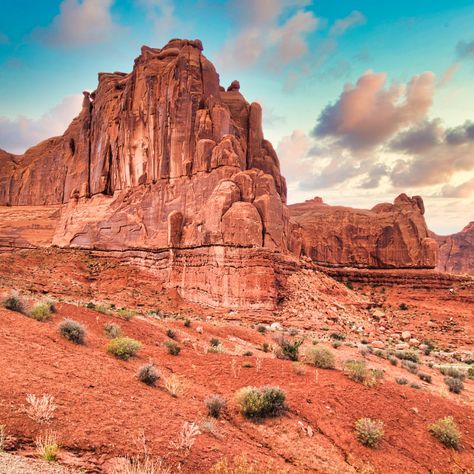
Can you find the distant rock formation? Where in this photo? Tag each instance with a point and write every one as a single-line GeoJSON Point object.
{"type": "Point", "coordinates": [456, 251]}
{"type": "Point", "coordinates": [387, 236]}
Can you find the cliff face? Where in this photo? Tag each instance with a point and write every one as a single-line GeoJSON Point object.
{"type": "Point", "coordinates": [387, 236]}
{"type": "Point", "coordinates": [160, 157]}
{"type": "Point", "coordinates": [456, 251]}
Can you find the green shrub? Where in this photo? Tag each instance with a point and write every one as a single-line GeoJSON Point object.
{"type": "Point", "coordinates": [126, 314]}
{"type": "Point", "coordinates": [248, 353]}
{"type": "Point", "coordinates": [171, 334]}
{"type": "Point", "coordinates": [320, 357]}
{"type": "Point", "coordinates": [112, 330]}
{"type": "Point", "coordinates": [14, 303]}
{"type": "Point", "coordinates": [393, 360]}
{"type": "Point", "coordinates": [453, 372]}
{"type": "Point", "coordinates": [123, 347]}
{"type": "Point", "coordinates": [215, 342]}
{"type": "Point", "coordinates": [455, 385]}
{"type": "Point", "coordinates": [260, 402]}
{"type": "Point", "coordinates": [430, 346]}
{"type": "Point", "coordinates": [148, 374]}
{"type": "Point", "coordinates": [349, 285]}
{"type": "Point", "coordinates": [403, 307]}
{"type": "Point", "coordinates": [101, 308]}
{"type": "Point", "coordinates": [338, 336]}
{"type": "Point", "coordinates": [407, 355]}
{"type": "Point", "coordinates": [173, 348]}
{"type": "Point", "coordinates": [410, 366]}
{"type": "Point", "coordinates": [401, 380]}
{"type": "Point", "coordinates": [415, 386]}
{"type": "Point", "coordinates": [72, 331]}
{"type": "Point", "coordinates": [446, 430]}
{"type": "Point", "coordinates": [215, 404]}
{"type": "Point", "coordinates": [41, 311]}
{"type": "Point", "coordinates": [425, 377]}
{"type": "Point", "coordinates": [90, 305]}
{"type": "Point", "coordinates": [369, 432]}
{"type": "Point", "coordinates": [261, 329]}
{"type": "Point", "coordinates": [288, 350]}
{"type": "Point", "coordinates": [265, 347]}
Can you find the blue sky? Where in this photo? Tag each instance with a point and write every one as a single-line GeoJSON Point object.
{"type": "Point", "coordinates": [362, 100]}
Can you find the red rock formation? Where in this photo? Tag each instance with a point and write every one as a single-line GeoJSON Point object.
{"type": "Point", "coordinates": [456, 251]}
{"type": "Point", "coordinates": [387, 236]}
{"type": "Point", "coordinates": [164, 140]}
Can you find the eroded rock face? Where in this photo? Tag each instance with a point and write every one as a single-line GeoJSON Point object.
{"type": "Point", "coordinates": [456, 251]}
{"type": "Point", "coordinates": [386, 236]}
{"type": "Point", "coordinates": [162, 141]}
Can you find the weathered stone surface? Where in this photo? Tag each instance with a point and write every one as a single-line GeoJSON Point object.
{"type": "Point", "coordinates": [456, 251]}
{"type": "Point", "coordinates": [387, 236]}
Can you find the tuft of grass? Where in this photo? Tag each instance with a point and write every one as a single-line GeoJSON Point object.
{"type": "Point", "coordinates": [112, 330]}
{"type": "Point", "coordinates": [357, 371]}
{"type": "Point", "coordinates": [320, 357]}
{"type": "Point", "coordinates": [123, 347]}
{"type": "Point", "coordinates": [215, 404]}
{"type": "Point", "coordinates": [171, 334]}
{"type": "Point", "coordinates": [410, 366]}
{"type": "Point", "coordinates": [446, 431]}
{"type": "Point", "coordinates": [455, 385]}
{"type": "Point", "coordinates": [215, 342]}
{"type": "Point", "coordinates": [369, 432]}
{"type": "Point", "coordinates": [47, 446]}
{"type": "Point", "coordinates": [148, 374]}
{"type": "Point", "coordinates": [72, 331]}
{"type": "Point", "coordinates": [126, 314]}
{"type": "Point", "coordinates": [14, 303]}
{"type": "Point", "coordinates": [41, 311]}
{"type": "Point", "coordinates": [175, 385]}
{"type": "Point", "coordinates": [173, 348]}
{"type": "Point", "coordinates": [260, 402]}
{"type": "Point", "coordinates": [101, 308]}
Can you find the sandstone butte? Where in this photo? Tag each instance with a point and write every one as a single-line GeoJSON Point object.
{"type": "Point", "coordinates": [166, 169]}
{"type": "Point", "coordinates": [456, 251]}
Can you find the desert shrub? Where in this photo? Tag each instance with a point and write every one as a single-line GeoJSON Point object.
{"type": "Point", "coordinates": [320, 357]}
{"type": "Point", "coordinates": [393, 360]}
{"type": "Point", "coordinates": [446, 431]}
{"type": "Point", "coordinates": [415, 386]}
{"type": "Point", "coordinates": [403, 306]}
{"type": "Point", "coordinates": [379, 353]}
{"type": "Point", "coordinates": [187, 323]}
{"type": "Point", "coordinates": [90, 305]}
{"type": "Point", "coordinates": [265, 347]}
{"type": "Point", "coordinates": [112, 330]}
{"type": "Point", "coordinates": [215, 404]}
{"type": "Point", "coordinates": [453, 372]}
{"type": "Point", "coordinates": [425, 377]}
{"type": "Point", "coordinates": [338, 336]}
{"type": "Point", "coordinates": [470, 372]}
{"type": "Point", "coordinates": [14, 303]}
{"type": "Point", "coordinates": [72, 331]}
{"type": "Point", "coordinates": [287, 349]}
{"type": "Point", "coordinates": [261, 329]}
{"type": "Point", "coordinates": [173, 348]}
{"type": "Point", "coordinates": [410, 366]}
{"type": "Point", "coordinates": [401, 380]}
{"type": "Point", "coordinates": [357, 371]}
{"type": "Point", "coordinates": [247, 353]}
{"type": "Point", "coordinates": [407, 355]}
{"type": "Point", "coordinates": [214, 342]}
{"type": "Point", "coordinates": [47, 446]}
{"type": "Point", "coordinates": [349, 285]}
{"type": "Point", "coordinates": [123, 347]}
{"type": "Point", "coordinates": [171, 334]}
{"type": "Point", "coordinates": [40, 409]}
{"type": "Point", "coordinates": [336, 344]}
{"type": "Point", "coordinates": [41, 311]}
{"type": "Point", "coordinates": [148, 374]}
{"type": "Point", "coordinates": [247, 365]}
{"type": "Point", "coordinates": [369, 432]}
{"type": "Point", "coordinates": [126, 314]}
{"type": "Point", "coordinates": [430, 346]}
{"type": "Point", "coordinates": [260, 402]}
{"type": "Point", "coordinates": [101, 308]}
{"type": "Point", "coordinates": [454, 385]}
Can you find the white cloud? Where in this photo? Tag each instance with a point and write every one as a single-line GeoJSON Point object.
{"type": "Point", "coordinates": [19, 134]}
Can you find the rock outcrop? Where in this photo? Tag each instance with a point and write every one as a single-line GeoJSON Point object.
{"type": "Point", "coordinates": [456, 251]}
{"type": "Point", "coordinates": [386, 236]}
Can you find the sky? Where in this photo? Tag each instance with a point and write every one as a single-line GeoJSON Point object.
{"type": "Point", "coordinates": [362, 100]}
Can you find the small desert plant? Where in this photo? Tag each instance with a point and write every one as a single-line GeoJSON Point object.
{"type": "Point", "coordinates": [90, 305]}
{"type": "Point", "coordinates": [175, 385]}
{"type": "Point", "coordinates": [187, 323]}
{"type": "Point", "coordinates": [425, 377]}
{"type": "Point", "coordinates": [14, 303]}
{"type": "Point", "coordinates": [123, 347]}
{"type": "Point", "coordinates": [393, 360]}
{"type": "Point", "coordinates": [410, 366]}
{"type": "Point", "coordinates": [126, 314]}
{"type": "Point", "coordinates": [287, 349]}
{"type": "Point", "coordinates": [407, 355]}
{"type": "Point", "coordinates": [320, 357]}
{"type": "Point", "coordinates": [260, 402]}
{"type": "Point", "coordinates": [41, 311]}
{"type": "Point", "coordinates": [72, 331]}
{"type": "Point", "coordinates": [430, 346]}
{"type": "Point", "coordinates": [369, 432]}
{"type": "Point", "coordinates": [455, 385]}
{"type": "Point", "coordinates": [446, 430]}
{"type": "Point", "coordinates": [401, 380]}
{"type": "Point", "coordinates": [349, 285]}
{"type": "Point", "coordinates": [47, 446]}
{"type": "Point", "coordinates": [3, 436]}
{"type": "Point", "coordinates": [112, 330]}
{"type": "Point", "coordinates": [261, 329]}
{"type": "Point", "coordinates": [265, 347]}
{"type": "Point", "coordinates": [403, 306]}
{"type": "Point", "coordinates": [171, 334]}
{"type": "Point", "coordinates": [336, 344]}
{"type": "Point", "coordinates": [247, 365]}
{"type": "Point", "coordinates": [148, 374]}
{"type": "Point", "coordinates": [215, 404]}
{"type": "Point", "coordinates": [101, 308]}
{"type": "Point", "coordinates": [453, 372]}
{"type": "Point", "coordinates": [187, 436]}
{"type": "Point", "coordinates": [338, 336]}
{"type": "Point", "coordinates": [144, 465]}
{"type": "Point", "coordinates": [415, 386]}
{"type": "Point", "coordinates": [40, 409]}
{"type": "Point", "coordinates": [214, 342]}
{"type": "Point", "coordinates": [470, 373]}
{"type": "Point", "coordinates": [357, 371]}
{"type": "Point", "coordinates": [248, 353]}
{"type": "Point", "coordinates": [173, 348]}
{"type": "Point", "coordinates": [299, 368]}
